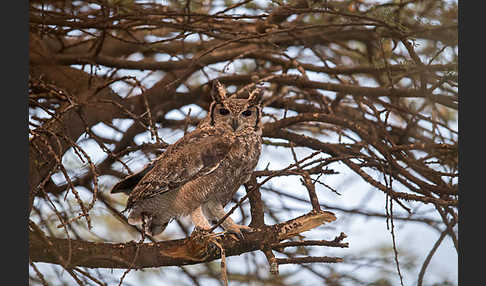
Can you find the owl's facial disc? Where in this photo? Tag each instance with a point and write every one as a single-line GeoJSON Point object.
{"type": "Point", "coordinates": [236, 115]}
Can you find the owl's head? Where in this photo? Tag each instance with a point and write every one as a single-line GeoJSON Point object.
{"type": "Point", "coordinates": [235, 114]}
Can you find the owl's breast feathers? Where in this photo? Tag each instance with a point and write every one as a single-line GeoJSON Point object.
{"type": "Point", "coordinates": [196, 154]}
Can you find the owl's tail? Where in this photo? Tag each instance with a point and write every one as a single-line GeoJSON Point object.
{"type": "Point", "coordinates": [127, 184]}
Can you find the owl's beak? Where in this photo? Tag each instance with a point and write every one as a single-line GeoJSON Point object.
{"type": "Point", "coordinates": [234, 123]}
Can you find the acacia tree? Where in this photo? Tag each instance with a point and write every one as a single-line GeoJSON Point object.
{"type": "Point", "coordinates": [361, 91]}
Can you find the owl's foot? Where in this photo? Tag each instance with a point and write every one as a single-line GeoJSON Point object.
{"type": "Point", "coordinates": [200, 232]}
{"type": "Point", "coordinates": [202, 243]}
{"type": "Point", "coordinates": [237, 230]}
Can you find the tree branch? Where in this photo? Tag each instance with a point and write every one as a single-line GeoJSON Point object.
{"type": "Point", "coordinates": [165, 253]}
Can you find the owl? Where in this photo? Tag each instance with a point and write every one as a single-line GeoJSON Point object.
{"type": "Point", "coordinates": [199, 174]}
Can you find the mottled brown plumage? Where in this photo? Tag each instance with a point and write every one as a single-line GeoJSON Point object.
{"type": "Point", "coordinates": [200, 173]}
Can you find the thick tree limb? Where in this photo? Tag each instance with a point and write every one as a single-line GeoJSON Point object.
{"type": "Point", "coordinates": [165, 253]}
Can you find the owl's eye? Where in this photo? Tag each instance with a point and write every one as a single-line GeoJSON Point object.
{"type": "Point", "coordinates": [246, 112]}
{"type": "Point", "coordinates": [223, 111]}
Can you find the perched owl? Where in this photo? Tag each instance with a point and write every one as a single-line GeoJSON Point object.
{"type": "Point", "coordinates": [199, 174]}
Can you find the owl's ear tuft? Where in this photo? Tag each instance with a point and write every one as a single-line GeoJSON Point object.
{"type": "Point", "coordinates": [218, 92]}
{"type": "Point", "coordinates": [255, 96]}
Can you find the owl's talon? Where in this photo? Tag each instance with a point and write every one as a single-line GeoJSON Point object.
{"type": "Point", "coordinates": [237, 231]}
{"type": "Point", "coordinates": [235, 235]}
{"type": "Point", "coordinates": [200, 232]}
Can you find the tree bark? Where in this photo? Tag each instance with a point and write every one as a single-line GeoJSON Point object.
{"type": "Point", "coordinates": [74, 252]}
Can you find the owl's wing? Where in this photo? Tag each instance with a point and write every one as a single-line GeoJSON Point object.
{"type": "Point", "coordinates": [196, 154]}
